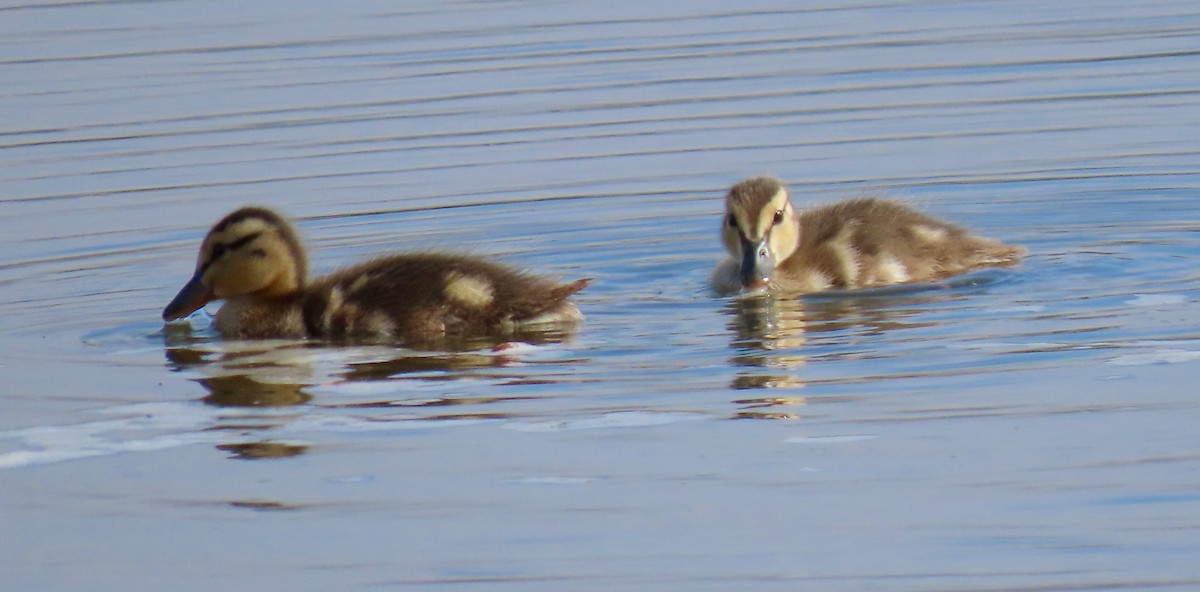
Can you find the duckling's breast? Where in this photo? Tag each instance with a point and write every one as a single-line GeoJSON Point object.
{"type": "Point", "coordinates": [244, 318]}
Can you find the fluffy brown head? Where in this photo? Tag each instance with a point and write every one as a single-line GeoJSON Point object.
{"type": "Point", "coordinates": [250, 252]}
{"type": "Point", "coordinates": [760, 228]}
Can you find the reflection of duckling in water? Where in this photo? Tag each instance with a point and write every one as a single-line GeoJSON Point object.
{"type": "Point", "coordinates": [245, 390]}
{"type": "Point", "coordinates": [853, 244]}
{"type": "Point", "coordinates": [768, 323]}
{"type": "Point", "coordinates": [261, 450]}
{"type": "Point", "coordinates": [770, 334]}
{"type": "Point", "coordinates": [253, 261]}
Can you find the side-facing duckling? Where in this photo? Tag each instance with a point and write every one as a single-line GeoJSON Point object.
{"type": "Point", "coordinates": [857, 243]}
{"type": "Point", "coordinates": [253, 260]}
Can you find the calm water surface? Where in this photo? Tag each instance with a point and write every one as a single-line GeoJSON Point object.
{"type": "Point", "coordinates": [1025, 429]}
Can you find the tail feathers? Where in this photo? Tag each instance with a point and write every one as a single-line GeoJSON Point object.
{"type": "Point", "coordinates": [1001, 254]}
{"type": "Point", "coordinates": [552, 305]}
{"type": "Point", "coordinates": [563, 291]}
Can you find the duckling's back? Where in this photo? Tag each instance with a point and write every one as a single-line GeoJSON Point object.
{"type": "Point", "coordinates": [874, 242]}
{"type": "Point", "coordinates": [424, 297]}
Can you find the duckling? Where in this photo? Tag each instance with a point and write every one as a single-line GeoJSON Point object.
{"type": "Point", "coordinates": [253, 260]}
{"type": "Point", "coordinates": [852, 244]}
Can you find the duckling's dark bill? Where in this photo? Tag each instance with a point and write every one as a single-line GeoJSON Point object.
{"type": "Point", "coordinates": [757, 264]}
{"type": "Point", "coordinates": [190, 298]}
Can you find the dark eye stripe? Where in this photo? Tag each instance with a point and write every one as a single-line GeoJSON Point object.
{"type": "Point", "coordinates": [219, 249]}
{"type": "Point", "coordinates": [241, 242]}
{"type": "Point", "coordinates": [731, 221]}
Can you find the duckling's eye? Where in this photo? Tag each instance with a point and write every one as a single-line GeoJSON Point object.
{"type": "Point", "coordinates": [730, 221]}
{"type": "Point", "coordinates": [218, 251]}
{"type": "Point", "coordinates": [778, 217]}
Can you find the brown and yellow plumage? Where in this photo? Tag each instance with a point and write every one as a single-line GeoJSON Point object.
{"type": "Point", "coordinates": [253, 261]}
{"type": "Point", "coordinates": [852, 244]}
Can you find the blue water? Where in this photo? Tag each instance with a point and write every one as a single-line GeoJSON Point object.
{"type": "Point", "coordinates": [1023, 429]}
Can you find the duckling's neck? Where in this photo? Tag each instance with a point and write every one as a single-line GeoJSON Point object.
{"type": "Point", "coordinates": [284, 288]}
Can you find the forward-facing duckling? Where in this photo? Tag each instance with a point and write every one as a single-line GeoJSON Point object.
{"type": "Point", "coordinates": [253, 260]}
{"type": "Point", "coordinates": [857, 243]}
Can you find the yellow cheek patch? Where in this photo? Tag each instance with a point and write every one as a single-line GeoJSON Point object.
{"type": "Point", "coordinates": [469, 291]}
{"type": "Point", "coordinates": [766, 216]}
{"type": "Point", "coordinates": [226, 280]}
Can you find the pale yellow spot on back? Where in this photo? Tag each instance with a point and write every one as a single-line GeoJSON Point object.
{"type": "Point", "coordinates": [469, 291]}
{"type": "Point", "coordinates": [890, 270]}
{"type": "Point", "coordinates": [929, 234]}
{"type": "Point", "coordinates": [358, 284]}
{"type": "Point", "coordinates": [842, 247]}
{"type": "Point", "coordinates": [332, 306]}
{"type": "Point", "coordinates": [816, 282]}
